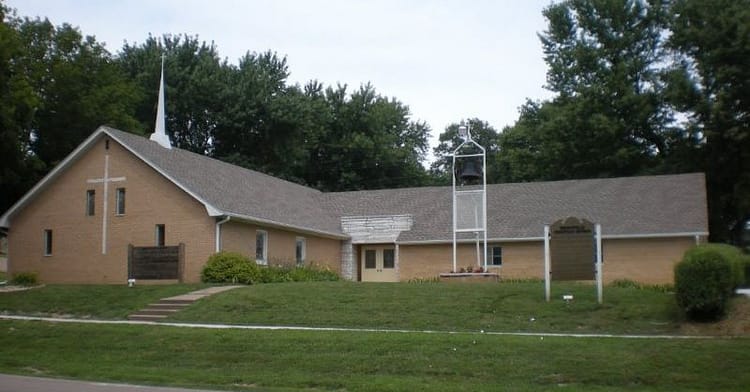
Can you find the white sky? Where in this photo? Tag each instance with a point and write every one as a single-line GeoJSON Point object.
{"type": "Point", "coordinates": [447, 60]}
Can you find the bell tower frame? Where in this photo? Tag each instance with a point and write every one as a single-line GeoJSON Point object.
{"type": "Point", "coordinates": [469, 197]}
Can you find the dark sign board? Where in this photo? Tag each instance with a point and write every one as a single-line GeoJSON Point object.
{"type": "Point", "coordinates": [572, 250]}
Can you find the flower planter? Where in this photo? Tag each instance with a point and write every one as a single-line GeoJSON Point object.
{"type": "Point", "coordinates": [470, 277]}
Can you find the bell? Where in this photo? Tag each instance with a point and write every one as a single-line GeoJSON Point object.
{"type": "Point", "coordinates": [470, 171]}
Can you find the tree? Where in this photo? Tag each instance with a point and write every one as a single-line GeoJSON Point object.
{"type": "Point", "coordinates": [368, 143]}
{"type": "Point", "coordinates": [481, 131]}
{"type": "Point", "coordinates": [713, 82]}
{"type": "Point", "coordinates": [77, 85]}
{"type": "Point", "coordinates": [18, 168]}
{"type": "Point", "coordinates": [196, 87]}
{"type": "Point", "coordinates": [262, 120]}
{"type": "Point", "coordinates": [610, 116]}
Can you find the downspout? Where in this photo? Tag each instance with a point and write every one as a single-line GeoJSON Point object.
{"type": "Point", "coordinates": [218, 232]}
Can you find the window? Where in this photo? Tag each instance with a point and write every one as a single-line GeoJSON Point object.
{"type": "Point", "coordinates": [496, 256]}
{"type": "Point", "coordinates": [300, 250]}
{"type": "Point", "coordinates": [160, 235]}
{"type": "Point", "coordinates": [120, 201]}
{"type": "Point", "coordinates": [389, 258]}
{"type": "Point", "coordinates": [90, 202]}
{"type": "Point", "coordinates": [370, 259]}
{"type": "Point", "coordinates": [48, 242]}
{"type": "Point", "coordinates": [261, 247]}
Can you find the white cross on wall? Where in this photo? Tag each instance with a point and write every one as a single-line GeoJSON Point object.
{"type": "Point", "coordinates": [105, 180]}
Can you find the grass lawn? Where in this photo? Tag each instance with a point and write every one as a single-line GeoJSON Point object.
{"type": "Point", "coordinates": [97, 301]}
{"type": "Point", "coordinates": [443, 307]}
{"type": "Point", "coordinates": [295, 360]}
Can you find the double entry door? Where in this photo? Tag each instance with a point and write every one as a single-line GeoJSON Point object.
{"type": "Point", "coordinates": [379, 263]}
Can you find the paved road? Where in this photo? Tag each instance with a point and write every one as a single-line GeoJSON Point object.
{"type": "Point", "coordinates": [10, 383]}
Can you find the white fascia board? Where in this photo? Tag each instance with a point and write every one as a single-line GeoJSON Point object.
{"type": "Point", "coordinates": [654, 235]}
{"type": "Point", "coordinates": [210, 209]}
{"type": "Point", "coordinates": [279, 225]}
{"type": "Point", "coordinates": [532, 239]}
{"type": "Point", "coordinates": [72, 157]}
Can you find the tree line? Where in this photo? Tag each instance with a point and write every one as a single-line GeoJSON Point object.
{"type": "Point", "coordinates": [640, 87]}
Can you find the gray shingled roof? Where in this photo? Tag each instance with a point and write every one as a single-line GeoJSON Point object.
{"type": "Point", "coordinates": [235, 190]}
{"type": "Point", "coordinates": [648, 205]}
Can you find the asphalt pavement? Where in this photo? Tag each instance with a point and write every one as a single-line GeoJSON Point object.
{"type": "Point", "coordinates": [9, 383]}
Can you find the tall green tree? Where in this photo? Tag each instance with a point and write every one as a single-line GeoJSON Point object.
{"type": "Point", "coordinates": [713, 83]}
{"type": "Point", "coordinates": [77, 85]}
{"type": "Point", "coordinates": [263, 119]}
{"type": "Point", "coordinates": [196, 87]}
{"type": "Point", "coordinates": [368, 143]}
{"type": "Point", "coordinates": [18, 167]}
{"type": "Point", "coordinates": [610, 117]}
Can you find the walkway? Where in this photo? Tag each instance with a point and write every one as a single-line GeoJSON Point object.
{"type": "Point", "coordinates": [368, 330]}
{"type": "Point", "coordinates": [167, 306]}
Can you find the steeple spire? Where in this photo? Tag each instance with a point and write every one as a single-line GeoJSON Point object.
{"type": "Point", "coordinates": [160, 128]}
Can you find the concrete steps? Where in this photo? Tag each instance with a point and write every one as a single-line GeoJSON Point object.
{"type": "Point", "coordinates": [166, 307]}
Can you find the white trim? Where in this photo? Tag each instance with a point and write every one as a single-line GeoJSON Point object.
{"type": "Point", "coordinates": [298, 229]}
{"type": "Point", "coordinates": [5, 218]}
{"type": "Point", "coordinates": [653, 235]}
{"type": "Point", "coordinates": [210, 209]}
{"type": "Point", "coordinates": [532, 239]}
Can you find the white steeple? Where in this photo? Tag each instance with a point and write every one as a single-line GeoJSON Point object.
{"type": "Point", "coordinates": [160, 128]}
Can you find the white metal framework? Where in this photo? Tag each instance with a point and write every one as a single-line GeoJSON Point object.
{"type": "Point", "coordinates": [470, 201]}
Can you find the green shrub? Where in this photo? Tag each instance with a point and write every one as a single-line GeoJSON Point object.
{"type": "Point", "coordinates": [736, 258]}
{"type": "Point", "coordinates": [25, 279]}
{"type": "Point", "coordinates": [229, 267]}
{"type": "Point", "coordinates": [307, 273]}
{"type": "Point", "coordinates": [704, 283]}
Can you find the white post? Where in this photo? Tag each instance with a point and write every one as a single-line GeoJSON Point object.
{"type": "Point", "coordinates": [546, 263]}
{"type": "Point", "coordinates": [484, 203]}
{"type": "Point", "coordinates": [453, 176]}
{"type": "Point", "coordinates": [599, 278]}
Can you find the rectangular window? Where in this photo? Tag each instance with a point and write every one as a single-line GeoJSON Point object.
{"type": "Point", "coordinates": [497, 256]}
{"type": "Point", "coordinates": [48, 242]}
{"type": "Point", "coordinates": [261, 247]}
{"type": "Point", "coordinates": [90, 202]}
{"type": "Point", "coordinates": [389, 258]}
{"type": "Point", "coordinates": [120, 201]}
{"type": "Point", "coordinates": [370, 259]}
{"type": "Point", "coordinates": [300, 250]}
{"type": "Point", "coordinates": [160, 235]}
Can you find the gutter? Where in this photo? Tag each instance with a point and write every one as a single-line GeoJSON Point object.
{"type": "Point", "coordinates": [218, 232]}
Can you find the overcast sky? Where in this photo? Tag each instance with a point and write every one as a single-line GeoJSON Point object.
{"type": "Point", "coordinates": [447, 60]}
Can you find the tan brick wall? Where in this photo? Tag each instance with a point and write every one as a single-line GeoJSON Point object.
{"type": "Point", "coordinates": [77, 239]}
{"type": "Point", "coordinates": [240, 237]}
{"type": "Point", "coordinates": [428, 261]}
{"type": "Point", "coordinates": [648, 260]}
